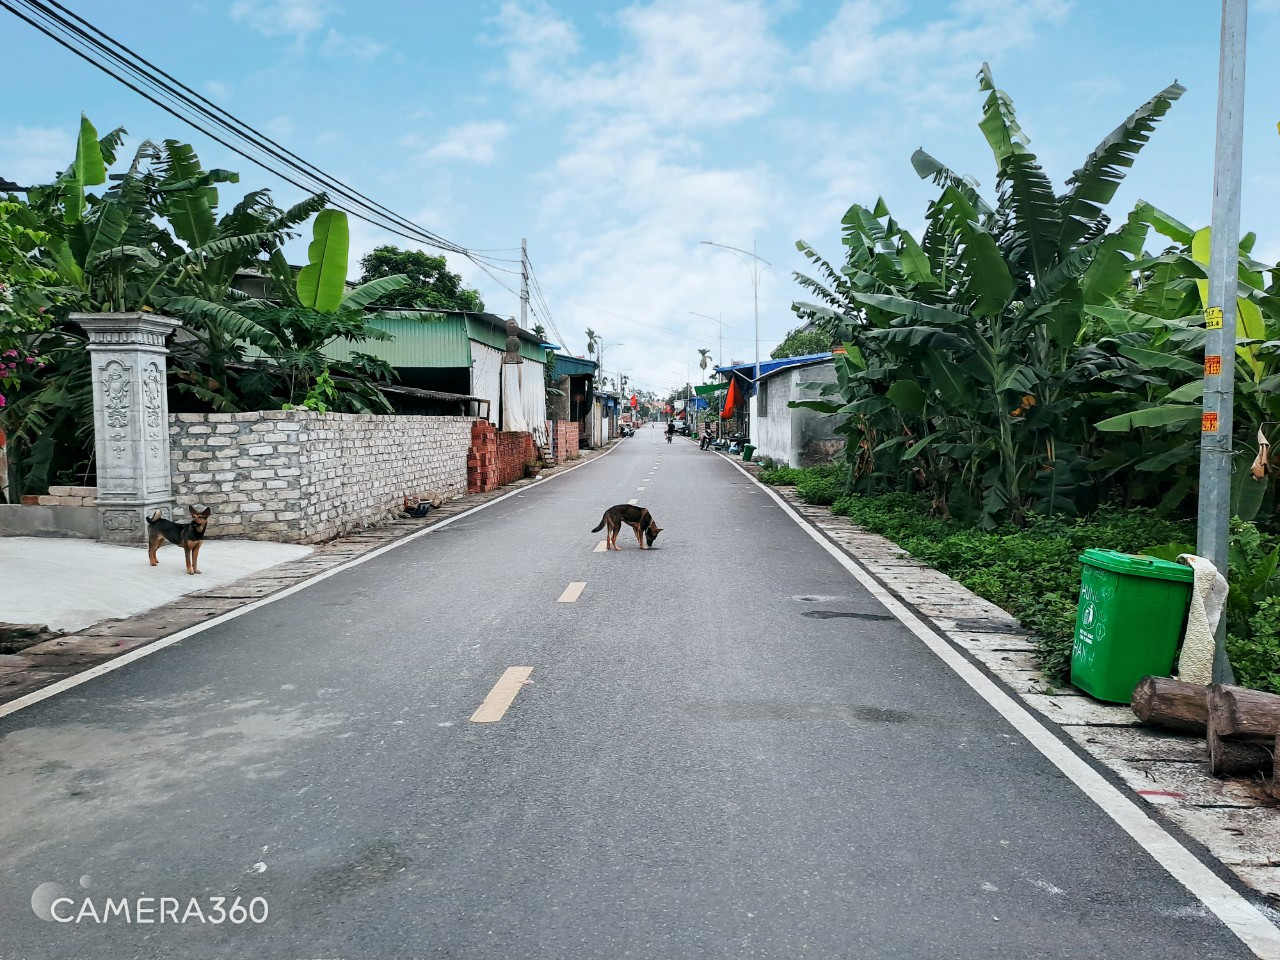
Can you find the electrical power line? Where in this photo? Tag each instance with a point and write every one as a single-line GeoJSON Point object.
{"type": "Point", "coordinates": [115, 58]}
{"type": "Point", "coordinates": [162, 89]}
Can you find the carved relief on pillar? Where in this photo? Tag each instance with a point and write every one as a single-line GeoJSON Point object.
{"type": "Point", "coordinates": [119, 521]}
{"type": "Point", "coordinates": [115, 389]}
{"type": "Point", "coordinates": [152, 397]}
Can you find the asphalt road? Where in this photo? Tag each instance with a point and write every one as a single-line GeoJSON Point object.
{"type": "Point", "coordinates": [699, 767]}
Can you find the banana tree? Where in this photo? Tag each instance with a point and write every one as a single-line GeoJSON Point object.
{"type": "Point", "coordinates": [1162, 319]}
{"type": "Point", "coordinates": [973, 364]}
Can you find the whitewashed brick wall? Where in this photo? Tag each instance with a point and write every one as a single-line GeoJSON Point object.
{"type": "Point", "coordinates": [301, 476]}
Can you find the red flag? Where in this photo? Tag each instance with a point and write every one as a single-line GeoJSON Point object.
{"type": "Point", "coordinates": [634, 404]}
{"type": "Point", "coordinates": [730, 399]}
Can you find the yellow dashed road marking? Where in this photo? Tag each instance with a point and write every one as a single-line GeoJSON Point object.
{"type": "Point", "coordinates": [571, 593]}
{"type": "Point", "coordinates": [500, 697]}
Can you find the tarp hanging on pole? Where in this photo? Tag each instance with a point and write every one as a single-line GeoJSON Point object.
{"type": "Point", "coordinates": [513, 415]}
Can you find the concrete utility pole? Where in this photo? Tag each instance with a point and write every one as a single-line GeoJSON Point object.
{"type": "Point", "coordinates": [1213, 529]}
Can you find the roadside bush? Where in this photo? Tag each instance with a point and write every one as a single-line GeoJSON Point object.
{"type": "Point", "coordinates": [1256, 660]}
{"type": "Point", "coordinates": [1034, 572]}
{"type": "Point", "coordinates": [780, 476]}
{"type": "Point", "coordinates": [823, 485]}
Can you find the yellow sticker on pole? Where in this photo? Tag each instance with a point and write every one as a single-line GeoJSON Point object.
{"type": "Point", "coordinates": [1213, 365]}
{"type": "Point", "coordinates": [1213, 318]}
{"type": "Point", "coordinates": [1208, 423]}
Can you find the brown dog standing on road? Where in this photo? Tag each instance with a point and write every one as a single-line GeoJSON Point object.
{"type": "Point", "coordinates": [188, 536]}
{"type": "Point", "coordinates": [637, 518]}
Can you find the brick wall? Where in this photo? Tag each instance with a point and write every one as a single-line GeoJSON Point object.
{"type": "Point", "coordinates": [301, 476]}
{"type": "Point", "coordinates": [63, 497]}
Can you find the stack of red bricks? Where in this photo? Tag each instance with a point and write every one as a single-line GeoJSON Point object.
{"type": "Point", "coordinates": [515, 452]}
{"type": "Point", "coordinates": [482, 458]}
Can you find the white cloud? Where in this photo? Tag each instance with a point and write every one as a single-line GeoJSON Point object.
{"type": "Point", "coordinates": [33, 155]}
{"type": "Point", "coordinates": [476, 141]}
{"type": "Point", "coordinates": [631, 193]}
{"type": "Point", "coordinates": [297, 19]}
{"type": "Point", "coordinates": [687, 63]}
{"type": "Point", "coordinates": [879, 45]}
{"type": "Point", "coordinates": [279, 128]}
{"type": "Point", "coordinates": [353, 46]}
{"type": "Point", "coordinates": [217, 91]}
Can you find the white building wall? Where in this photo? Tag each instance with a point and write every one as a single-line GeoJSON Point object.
{"type": "Point", "coordinates": [486, 375]}
{"type": "Point", "coordinates": [771, 433]}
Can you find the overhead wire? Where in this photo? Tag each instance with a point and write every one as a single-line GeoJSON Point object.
{"type": "Point", "coordinates": [174, 89]}
{"type": "Point", "coordinates": [179, 100]}
{"type": "Point", "coordinates": [73, 32]}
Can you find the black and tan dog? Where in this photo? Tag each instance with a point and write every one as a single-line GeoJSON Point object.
{"type": "Point", "coordinates": [638, 519]}
{"type": "Point", "coordinates": [189, 536]}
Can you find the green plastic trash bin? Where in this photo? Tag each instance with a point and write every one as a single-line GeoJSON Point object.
{"type": "Point", "coordinates": [748, 452]}
{"type": "Point", "coordinates": [1131, 616]}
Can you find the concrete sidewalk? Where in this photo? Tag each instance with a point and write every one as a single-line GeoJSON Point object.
{"type": "Point", "coordinates": [68, 584]}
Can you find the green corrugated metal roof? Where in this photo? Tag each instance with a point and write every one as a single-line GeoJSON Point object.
{"type": "Point", "coordinates": [417, 343]}
{"type": "Point", "coordinates": [574, 366]}
{"type": "Point", "coordinates": [483, 331]}
{"type": "Point", "coordinates": [441, 342]}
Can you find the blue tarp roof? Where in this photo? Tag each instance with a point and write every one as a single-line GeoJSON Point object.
{"type": "Point", "coordinates": [770, 366]}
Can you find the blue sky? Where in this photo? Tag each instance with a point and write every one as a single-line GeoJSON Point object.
{"type": "Point", "coordinates": [615, 137]}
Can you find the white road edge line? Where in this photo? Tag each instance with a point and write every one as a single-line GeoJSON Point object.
{"type": "Point", "coordinates": [68, 683]}
{"type": "Point", "coordinates": [1240, 916]}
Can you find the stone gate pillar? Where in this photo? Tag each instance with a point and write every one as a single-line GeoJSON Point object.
{"type": "Point", "coordinates": [130, 419]}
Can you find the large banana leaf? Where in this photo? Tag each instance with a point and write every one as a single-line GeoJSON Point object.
{"type": "Point", "coordinates": [1096, 182]}
{"type": "Point", "coordinates": [911, 309]}
{"type": "Point", "coordinates": [988, 282]}
{"type": "Point", "coordinates": [323, 280]}
{"type": "Point", "coordinates": [87, 170]}
{"type": "Point", "coordinates": [907, 397]}
{"type": "Point", "coordinates": [189, 198]}
{"type": "Point", "coordinates": [1023, 184]}
{"type": "Point", "coordinates": [928, 168]}
{"type": "Point", "coordinates": [366, 293]}
{"type": "Point", "coordinates": [1249, 322]}
{"type": "Point", "coordinates": [1161, 416]}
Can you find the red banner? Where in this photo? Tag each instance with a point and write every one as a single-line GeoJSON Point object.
{"type": "Point", "coordinates": [634, 402]}
{"type": "Point", "coordinates": [730, 399]}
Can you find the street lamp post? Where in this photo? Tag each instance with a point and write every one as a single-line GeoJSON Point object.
{"type": "Point", "coordinates": [754, 266]}
{"type": "Point", "coordinates": [600, 359]}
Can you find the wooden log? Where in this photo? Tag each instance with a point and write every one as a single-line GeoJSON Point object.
{"type": "Point", "coordinates": [1242, 730]}
{"type": "Point", "coordinates": [1241, 712]}
{"type": "Point", "coordinates": [1164, 702]}
{"type": "Point", "coordinates": [1239, 757]}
